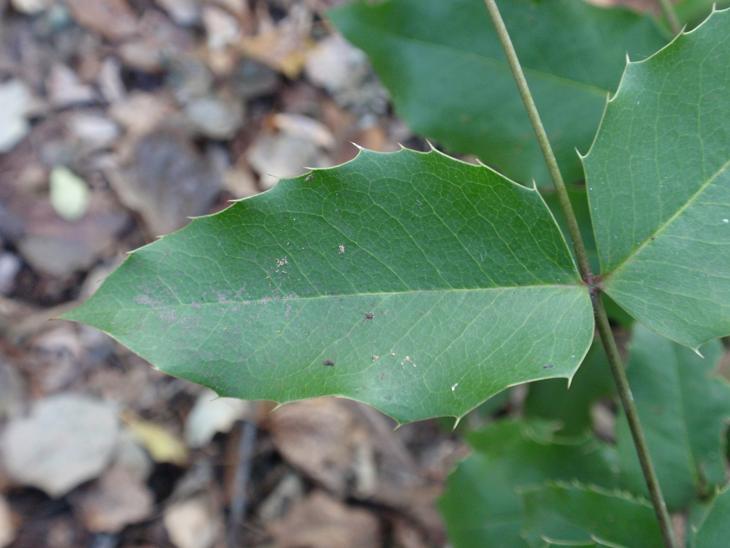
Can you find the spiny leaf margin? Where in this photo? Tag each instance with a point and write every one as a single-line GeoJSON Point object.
{"type": "Point", "coordinates": [405, 391]}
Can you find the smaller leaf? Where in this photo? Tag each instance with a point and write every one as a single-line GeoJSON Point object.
{"type": "Point", "coordinates": [713, 530]}
{"type": "Point", "coordinates": [481, 505]}
{"type": "Point", "coordinates": [683, 408]}
{"type": "Point", "coordinates": [563, 514]}
{"type": "Point", "coordinates": [571, 406]}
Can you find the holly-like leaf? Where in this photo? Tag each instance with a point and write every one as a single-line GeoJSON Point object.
{"type": "Point", "coordinates": [414, 282]}
{"type": "Point", "coordinates": [568, 514]}
{"type": "Point", "coordinates": [658, 180]}
{"type": "Point", "coordinates": [482, 504]}
{"type": "Point", "coordinates": [571, 405]}
{"type": "Point", "coordinates": [447, 74]}
{"type": "Point", "coordinates": [713, 529]}
{"type": "Point", "coordinates": [684, 408]}
{"type": "Point", "coordinates": [692, 11]}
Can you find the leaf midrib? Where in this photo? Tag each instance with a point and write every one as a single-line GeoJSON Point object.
{"type": "Point", "coordinates": [578, 84]}
{"type": "Point", "coordinates": [663, 226]}
{"type": "Point", "coordinates": [283, 299]}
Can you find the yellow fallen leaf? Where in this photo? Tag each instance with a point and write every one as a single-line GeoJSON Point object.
{"type": "Point", "coordinates": [162, 445]}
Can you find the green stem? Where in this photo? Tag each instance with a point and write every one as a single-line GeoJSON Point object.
{"type": "Point", "coordinates": [671, 15]}
{"type": "Point", "coordinates": [632, 415]}
{"type": "Point", "coordinates": [602, 323]}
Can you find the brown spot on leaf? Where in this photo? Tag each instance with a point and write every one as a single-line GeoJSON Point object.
{"type": "Point", "coordinates": [328, 363]}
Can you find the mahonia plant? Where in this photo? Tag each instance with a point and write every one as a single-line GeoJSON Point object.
{"type": "Point", "coordinates": [423, 285]}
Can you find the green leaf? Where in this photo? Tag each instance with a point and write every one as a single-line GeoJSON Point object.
{"type": "Point", "coordinates": [482, 505]}
{"type": "Point", "coordinates": [446, 71]}
{"type": "Point", "coordinates": [659, 187]}
{"type": "Point", "coordinates": [414, 282]}
{"type": "Point", "coordinates": [684, 408]}
{"type": "Point", "coordinates": [571, 406]}
{"type": "Point", "coordinates": [692, 11]}
{"type": "Point", "coordinates": [713, 530]}
{"type": "Point", "coordinates": [566, 514]}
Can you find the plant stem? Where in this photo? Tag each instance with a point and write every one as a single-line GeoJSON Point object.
{"type": "Point", "coordinates": [602, 323]}
{"type": "Point", "coordinates": [671, 15]}
{"type": "Point", "coordinates": [542, 138]}
{"type": "Point", "coordinates": [637, 433]}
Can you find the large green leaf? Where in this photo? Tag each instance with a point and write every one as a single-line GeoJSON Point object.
{"type": "Point", "coordinates": [692, 11]}
{"type": "Point", "coordinates": [713, 530]}
{"type": "Point", "coordinates": [445, 69]}
{"type": "Point", "coordinates": [684, 408]}
{"type": "Point", "coordinates": [578, 515]}
{"type": "Point", "coordinates": [659, 187]}
{"type": "Point", "coordinates": [482, 505]}
{"type": "Point", "coordinates": [414, 282]}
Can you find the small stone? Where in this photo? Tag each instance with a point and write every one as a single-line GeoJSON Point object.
{"type": "Point", "coordinates": [65, 89]}
{"type": "Point", "coordinates": [16, 103]}
{"type": "Point", "coordinates": [221, 28]}
{"type": "Point", "coordinates": [31, 7]}
{"type": "Point", "coordinates": [65, 441]}
{"type": "Point", "coordinates": [193, 523]}
{"type": "Point", "coordinates": [211, 415]}
{"type": "Point", "coordinates": [215, 117]}
{"type": "Point", "coordinates": [9, 268]}
{"type": "Point", "coordinates": [251, 79]}
{"type": "Point", "coordinates": [336, 65]}
{"type": "Point", "coordinates": [182, 12]}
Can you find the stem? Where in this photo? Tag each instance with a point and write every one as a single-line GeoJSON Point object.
{"type": "Point", "coordinates": [671, 15]}
{"type": "Point", "coordinates": [637, 433]}
{"type": "Point", "coordinates": [542, 139]}
{"type": "Point", "coordinates": [602, 323]}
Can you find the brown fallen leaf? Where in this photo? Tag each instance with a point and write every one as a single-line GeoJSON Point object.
{"type": "Point", "coordinates": [167, 182]}
{"type": "Point", "coordinates": [324, 438]}
{"type": "Point", "coordinates": [7, 525]}
{"type": "Point", "coordinates": [282, 46]}
{"type": "Point", "coordinates": [118, 499]}
{"type": "Point", "coordinates": [112, 19]}
{"type": "Point", "coordinates": [320, 521]}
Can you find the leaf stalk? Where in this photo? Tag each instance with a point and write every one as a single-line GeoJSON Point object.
{"type": "Point", "coordinates": [602, 324]}
{"type": "Point", "coordinates": [671, 15]}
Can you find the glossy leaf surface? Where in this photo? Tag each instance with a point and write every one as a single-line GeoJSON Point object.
{"type": "Point", "coordinates": [658, 179]}
{"type": "Point", "coordinates": [414, 282]}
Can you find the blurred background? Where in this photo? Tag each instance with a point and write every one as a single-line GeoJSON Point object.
{"type": "Point", "coordinates": [119, 119]}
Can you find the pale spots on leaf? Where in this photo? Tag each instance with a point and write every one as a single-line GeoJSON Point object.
{"type": "Point", "coordinates": [454, 387]}
{"type": "Point", "coordinates": [341, 249]}
{"type": "Point", "coordinates": [145, 299]}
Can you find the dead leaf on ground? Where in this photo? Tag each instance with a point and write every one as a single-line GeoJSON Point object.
{"type": "Point", "coordinates": [7, 525]}
{"type": "Point", "coordinates": [320, 521]}
{"type": "Point", "coordinates": [65, 441]}
{"type": "Point", "coordinates": [162, 445]}
{"type": "Point", "coordinates": [282, 46]}
{"type": "Point", "coordinates": [212, 414]}
{"type": "Point", "coordinates": [112, 19]}
{"type": "Point", "coordinates": [115, 501]}
{"type": "Point", "coordinates": [193, 523]}
{"type": "Point", "coordinates": [167, 182]}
